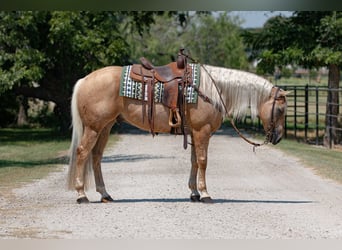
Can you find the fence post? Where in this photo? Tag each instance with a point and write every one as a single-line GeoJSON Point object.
{"type": "Point", "coordinates": [330, 118]}
{"type": "Point", "coordinates": [306, 119]}
{"type": "Point", "coordinates": [285, 88]}
{"type": "Point", "coordinates": [295, 112]}
{"type": "Point", "coordinates": [317, 115]}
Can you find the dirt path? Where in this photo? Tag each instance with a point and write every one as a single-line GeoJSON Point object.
{"type": "Point", "coordinates": [257, 196]}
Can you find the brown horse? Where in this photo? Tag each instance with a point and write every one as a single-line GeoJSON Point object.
{"type": "Point", "coordinates": [97, 105]}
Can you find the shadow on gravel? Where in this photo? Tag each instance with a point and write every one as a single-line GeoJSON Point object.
{"type": "Point", "coordinates": [215, 201]}
{"type": "Point", "coordinates": [133, 158]}
{"type": "Point", "coordinates": [261, 201]}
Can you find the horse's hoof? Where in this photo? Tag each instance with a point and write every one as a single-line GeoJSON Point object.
{"type": "Point", "coordinates": [82, 200]}
{"type": "Point", "coordinates": [107, 199]}
{"type": "Point", "coordinates": [207, 200]}
{"type": "Point", "coordinates": [195, 198]}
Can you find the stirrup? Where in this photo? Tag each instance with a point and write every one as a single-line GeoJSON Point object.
{"type": "Point", "coordinates": [174, 116]}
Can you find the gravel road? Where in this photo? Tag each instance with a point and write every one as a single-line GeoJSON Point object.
{"type": "Point", "coordinates": [262, 195]}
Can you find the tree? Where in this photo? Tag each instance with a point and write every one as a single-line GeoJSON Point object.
{"type": "Point", "coordinates": [217, 41]}
{"type": "Point", "coordinates": [310, 39]}
{"type": "Point", "coordinates": [8, 109]}
{"type": "Point", "coordinates": [161, 42]}
{"type": "Point", "coordinates": [209, 39]}
{"type": "Point", "coordinates": [43, 53]}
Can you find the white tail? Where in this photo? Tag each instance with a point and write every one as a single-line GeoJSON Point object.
{"type": "Point", "coordinates": [77, 133]}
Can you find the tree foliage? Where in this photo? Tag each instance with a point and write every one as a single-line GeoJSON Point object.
{"type": "Point", "coordinates": [209, 39]}
{"type": "Point", "coordinates": [309, 39]}
{"type": "Point", "coordinates": [217, 41]}
{"type": "Point", "coordinates": [43, 53]}
{"type": "Point", "coordinates": [160, 43]}
{"type": "Point", "coordinates": [20, 58]}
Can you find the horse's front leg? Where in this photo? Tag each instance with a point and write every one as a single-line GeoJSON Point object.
{"type": "Point", "coordinates": [195, 195]}
{"type": "Point", "coordinates": [97, 156]}
{"type": "Point", "coordinates": [200, 143]}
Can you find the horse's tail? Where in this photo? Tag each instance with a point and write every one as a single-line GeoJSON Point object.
{"type": "Point", "coordinates": [77, 132]}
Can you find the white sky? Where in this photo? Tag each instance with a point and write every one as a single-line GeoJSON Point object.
{"type": "Point", "coordinates": [256, 19]}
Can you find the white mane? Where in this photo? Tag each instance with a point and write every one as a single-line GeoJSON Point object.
{"type": "Point", "coordinates": [239, 90]}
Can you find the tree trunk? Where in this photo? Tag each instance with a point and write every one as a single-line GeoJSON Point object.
{"type": "Point", "coordinates": [22, 113]}
{"type": "Point", "coordinates": [62, 112]}
{"type": "Point", "coordinates": [62, 101]}
{"type": "Point", "coordinates": [331, 123]}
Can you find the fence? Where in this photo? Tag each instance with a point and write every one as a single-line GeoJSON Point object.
{"type": "Point", "coordinates": [306, 114]}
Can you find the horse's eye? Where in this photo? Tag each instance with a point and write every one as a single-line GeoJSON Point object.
{"type": "Point", "coordinates": [280, 110]}
{"type": "Point", "coordinates": [282, 99]}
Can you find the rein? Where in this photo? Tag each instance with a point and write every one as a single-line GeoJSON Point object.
{"type": "Point", "coordinates": [207, 99]}
{"type": "Point", "coordinates": [270, 129]}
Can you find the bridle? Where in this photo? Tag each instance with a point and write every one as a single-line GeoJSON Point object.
{"type": "Point", "coordinates": [271, 127]}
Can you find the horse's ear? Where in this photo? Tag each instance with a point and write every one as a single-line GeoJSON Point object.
{"type": "Point", "coordinates": [284, 93]}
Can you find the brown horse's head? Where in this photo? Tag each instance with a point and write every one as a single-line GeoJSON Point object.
{"type": "Point", "coordinates": [272, 113]}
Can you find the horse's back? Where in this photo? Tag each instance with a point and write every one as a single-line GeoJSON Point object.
{"type": "Point", "coordinates": [102, 82]}
{"type": "Point", "coordinates": [107, 75]}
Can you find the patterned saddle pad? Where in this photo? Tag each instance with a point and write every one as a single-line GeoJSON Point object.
{"type": "Point", "coordinates": [133, 89]}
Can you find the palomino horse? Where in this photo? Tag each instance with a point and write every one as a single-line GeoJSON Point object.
{"type": "Point", "coordinates": [97, 105]}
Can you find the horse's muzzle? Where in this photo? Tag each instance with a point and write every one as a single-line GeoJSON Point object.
{"type": "Point", "coordinates": [276, 135]}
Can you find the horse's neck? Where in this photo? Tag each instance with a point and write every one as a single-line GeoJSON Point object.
{"type": "Point", "coordinates": [242, 92]}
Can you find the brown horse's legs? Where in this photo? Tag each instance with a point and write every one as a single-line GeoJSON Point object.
{"type": "Point", "coordinates": [195, 195]}
{"type": "Point", "coordinates": [83, 152]}
{"type": "Point", "coordinates": [201, 142]}
{"type": "Point", "coordinates": [97, 156]}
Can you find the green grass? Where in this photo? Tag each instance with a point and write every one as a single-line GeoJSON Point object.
{"type": "Point", "coordinates": [30, 147]}
{"type": "Point", "coordinates": [29, 154]}
{"type": "Point", "coordinates": [301, 81]}
{"type": "Point", "coordinates": [325, 162]}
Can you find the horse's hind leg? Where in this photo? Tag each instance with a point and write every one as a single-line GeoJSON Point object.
{"type": "Point", "coordinates": [88, 141]}
{"type": "Point", "coordinates": [97, 156]}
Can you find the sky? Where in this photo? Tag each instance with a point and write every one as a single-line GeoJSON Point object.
{"type": "Point", "coordinates": [256, 19]}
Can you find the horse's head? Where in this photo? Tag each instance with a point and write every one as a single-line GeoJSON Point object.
{"type": "Point", "coordinates": [272, 113]}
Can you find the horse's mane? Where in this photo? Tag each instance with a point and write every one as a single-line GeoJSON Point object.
{"type": "Point", "coordinates": [240, 90]}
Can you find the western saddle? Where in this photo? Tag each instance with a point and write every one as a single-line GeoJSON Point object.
{"type": "Point", "coordinates": [175, 77]}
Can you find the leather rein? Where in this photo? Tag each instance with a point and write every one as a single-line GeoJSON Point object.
{"type": "Point", "coordinates": [271, 127]}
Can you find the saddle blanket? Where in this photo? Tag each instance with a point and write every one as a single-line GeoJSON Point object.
{"type": "Point", "coordinates": [133, 89]}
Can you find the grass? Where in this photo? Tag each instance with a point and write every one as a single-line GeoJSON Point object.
{"type": "Point", "coordinates": [29, 154]}
{"type": "Point", "coordinates": [326, 163]}
{"type": "Point", "coordinates": [301, 81]}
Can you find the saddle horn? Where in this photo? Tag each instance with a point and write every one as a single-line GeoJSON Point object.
{"type": "Point", "coordinates": [181, 60]}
